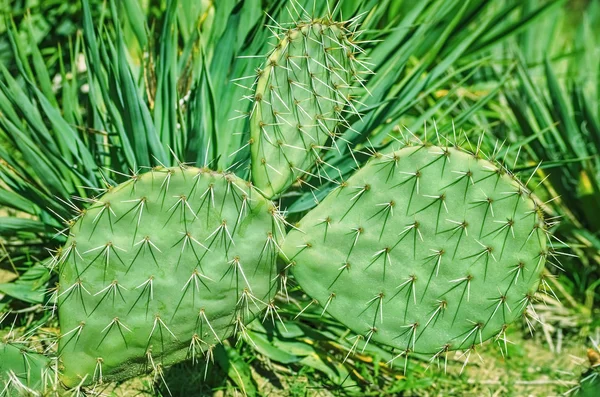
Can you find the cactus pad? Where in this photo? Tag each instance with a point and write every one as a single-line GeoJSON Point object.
{"type": "Point", "coordinates": [426, 249]}
{"type": "Point", "coordinates": [161, 268]}
{"type": "Point", "coordinates": [302, 94]}
{"type": "Point", "coordinates": [23, 372]}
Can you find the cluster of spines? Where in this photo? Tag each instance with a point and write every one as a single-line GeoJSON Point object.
{"type": "Point", "coordinates": [18, 379]}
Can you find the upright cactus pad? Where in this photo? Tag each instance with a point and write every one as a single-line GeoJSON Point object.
{"type": "Point", "coordinates": [426, 249]}
{"type": "Point", "coordinates": [161, 268]}
{"type": "Point", "coordinates": [302, 94]}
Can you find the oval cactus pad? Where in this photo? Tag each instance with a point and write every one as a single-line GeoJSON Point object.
{"type": "Point", "coordinates": [161, 268]}
{"type": "Point", "coordinates": [426, 249]}
{"type": "Point", "coordinates": [302, 94]}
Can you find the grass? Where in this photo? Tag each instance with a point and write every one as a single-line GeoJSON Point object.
{"type": "Point", "coordinates": [530, 368]}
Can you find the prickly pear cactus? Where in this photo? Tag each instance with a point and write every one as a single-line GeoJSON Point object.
{"type": "Point", "coordinates": [302, 94]}
{"type": "Point", "coordinates": [162, 268]}
{"type": "Point", "coordinates": [23, 372]}
{"type": "Point", "coordinates": [426, 249]}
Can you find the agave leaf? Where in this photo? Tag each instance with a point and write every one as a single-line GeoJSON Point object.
{"type": "Point", "coordinates": [135, 16]}
{"type": "Point", "coordinates": [31, 286]}
{"type": "Point", "coordinates": [12, 226]}
{"type": "Point", "coordinates": [92, 50]}
{"type": "Point", "coordinates": [514, 27]}
{"type": "Point", "coordinates": [266, 348]}
{"type": "Point", "coordinates": [15, 201]}
{"type": "Point", "coordinates": [165, 102]}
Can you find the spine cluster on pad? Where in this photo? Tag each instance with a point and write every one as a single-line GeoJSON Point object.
{"type": "Point", "coordinates": [426, 249]}
{"type": "Point", "coordinates": [24, 372]}
{"type": "Point", "coordinates": [162, 268]}
{"type": "Point", "coordinates": [302, 94]}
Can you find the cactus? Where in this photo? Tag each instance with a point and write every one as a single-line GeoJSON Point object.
{"type": "Point", "coordinates": [302, 94]}
{"type": "Point", "coordinates": [426, 249]}
{"type": "Point", "coordinates": [22, 372]}
{"type": "Point", "coordinates": [161, 268]}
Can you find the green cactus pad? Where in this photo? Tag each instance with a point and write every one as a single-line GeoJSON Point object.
{"type": "Point", "coordinates": [161, 268]}
{"type": "Point", "coordinates": [426, 249]}
{"type": "Point", "coordinates": [302, 94]}
{"type": "Point", "coordinates": [23, 372]}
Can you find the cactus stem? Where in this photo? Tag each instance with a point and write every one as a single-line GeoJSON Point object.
{"type": "Point", "coordinates": [386, 212]}
{"type": "Point", "coordinates": [385, 253]}
{"type": "Point", "coordinates": [139, 209]}
{"type": "Point", "coordinates": [403, 353]}
{"type": "Point", "coordinates": [502, 302]}
{"type": "Point", "coordinates": [272, 313]}
{"type": "Point", "coordinates": [235, 267]}
{"type": "Point", "coordinates": [113, 289]}
{"type": "Point", "coordinates": [411, 330]}
{"type": "Point", "coordinates": [145, 244]}
{"type": "Point", "coordinates": [314, 301]}
{"type": "Point", "coordinates": [105, 209]}
{"type": "Point", "coordinates": [368, 337]}
{"type": "Point", "coordinates": [195, 349]}
{"type": "Point", "coordinates": [159, 324]}
{"type": "Point", "coordinates": [105, 251]}
{"type": "Point", "coordinates": [436, 357]}
{"type": "Point", "coordinates": [345, 266]}
{"type": "Point", "coordinates": [379, 308]}
{"type": "Point", "coordinates": [439, 310]}
{"type": "Point", "coordinates": [76, 288]}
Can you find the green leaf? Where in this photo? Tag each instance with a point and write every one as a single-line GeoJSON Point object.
{"type": "Point", "coordinates": [262, 345]}
{"type": "Point", "coordinates": [30, 286]}
{"type": "Point", "coordinates": [10, 226]}
{"type": "Point", "coordinates": [236, 369]}
{"type": "Point", "coordinates": [13, 200]}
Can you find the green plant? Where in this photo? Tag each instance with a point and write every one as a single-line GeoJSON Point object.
{"type": "Point", "coordinates": [589, 385]}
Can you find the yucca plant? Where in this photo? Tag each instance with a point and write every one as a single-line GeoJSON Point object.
{"type": "Point", "coordinates": [187, 89]}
